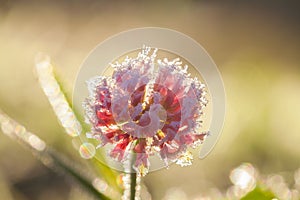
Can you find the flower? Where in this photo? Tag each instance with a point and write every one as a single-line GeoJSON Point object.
{"type": "Point", "coordinates": [147, 110]}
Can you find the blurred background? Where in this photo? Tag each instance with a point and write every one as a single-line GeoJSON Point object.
{"type": "Point", "coordinates": [255, 44]}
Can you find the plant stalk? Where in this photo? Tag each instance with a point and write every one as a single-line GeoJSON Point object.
{"type": "Point", "coordinates": [132, 185]}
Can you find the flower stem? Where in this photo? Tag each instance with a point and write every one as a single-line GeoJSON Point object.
{"type": "Point", "coordinates": [132, 185]}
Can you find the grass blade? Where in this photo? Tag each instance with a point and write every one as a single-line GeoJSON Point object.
{"type": "Point", "coordinates": [47, 156]}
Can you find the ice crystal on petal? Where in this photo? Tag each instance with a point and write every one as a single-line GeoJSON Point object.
{"type": "Point", "coordinates": [185, 159]}
{"type": "Point", "coordinates": [147, 111]}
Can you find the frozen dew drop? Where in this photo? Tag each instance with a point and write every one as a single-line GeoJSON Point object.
{"type": "Point", "coordinates": [100, 185]}
{"type": "Point", "coordinates": [72, 131]}
{"type": "Point", "coordinates": [87, 150]}
{"type": "Point", "coordinates": [244, 177]}
{"type": "Point", "coordinates": [7, 127]}
{"type": "Point", "coordinates": [42, 62]}
{"type": "Point", "coordinates": [51, 89]}
{"type": "Point", "coordinates": [278, 185]}
{"type": "Point", "coordinates": [42, 59]}
{"type": "Point", "coordinates": [36, 143]}
{"type": "Point", "coordinates": [20, 130]}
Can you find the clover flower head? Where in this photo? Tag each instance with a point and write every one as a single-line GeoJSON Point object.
{"type": "Point", "coordinates": [147, 107]}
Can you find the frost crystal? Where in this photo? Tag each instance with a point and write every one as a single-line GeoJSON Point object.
{"type": "Point", "coordinates": [144, 110]}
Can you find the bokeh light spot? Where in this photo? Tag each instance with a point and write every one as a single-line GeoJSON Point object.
{"type": "Point", "coordinates": [87, 150]}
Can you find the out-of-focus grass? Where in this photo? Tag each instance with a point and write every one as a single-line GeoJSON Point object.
{"type": "Point", "coordinates": [256, 48]}
{"type": "Point", "coordinates": [258, 193]}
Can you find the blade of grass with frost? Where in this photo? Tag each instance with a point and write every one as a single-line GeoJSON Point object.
{"type": "Point", "coordinates": [102, 169]}
{"type": "Point", "coordinates": [68, 98]}
{"type": "Point", "coordinates": [61, 104]}
{"type": "Point", "coordinates": [47, 156]}
{"type": "Point", "coordinates": [56, 98]}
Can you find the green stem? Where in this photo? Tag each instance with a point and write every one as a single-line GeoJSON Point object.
{"type": "Point", "coordinates": [132, 185]}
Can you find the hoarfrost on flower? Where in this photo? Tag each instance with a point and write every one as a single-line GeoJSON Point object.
{"type": "Point", "coordinates": [147, 110]}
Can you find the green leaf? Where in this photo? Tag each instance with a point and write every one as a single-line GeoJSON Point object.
{"type": "Point", "coordinates": [108, 174]}
{"type": "Point", "coordinates": [259, 194]}
{"type": "Point", "coordinates": [55, 161]}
